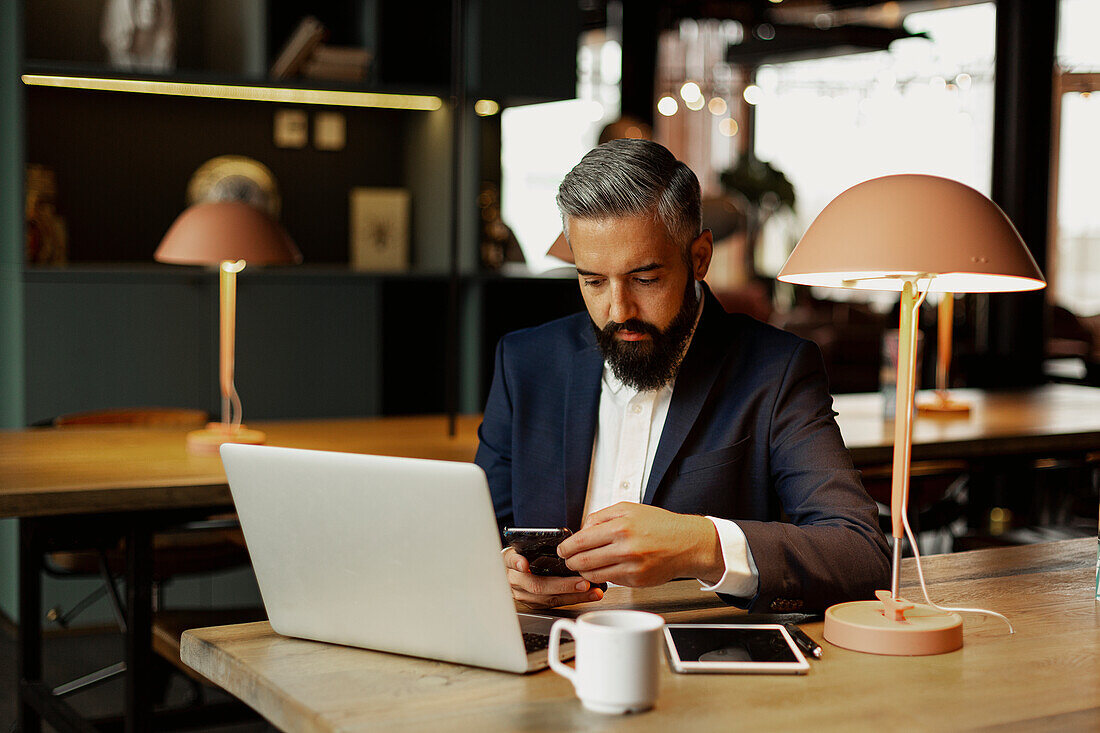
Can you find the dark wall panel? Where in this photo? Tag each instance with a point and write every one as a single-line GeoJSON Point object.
{"type": "Point", "coordinates": [305, 346]}
{"type": "Point", "coordinates": [413, 352]}
{"type": "Point", "coordinates": [112, 342]}
{"type": "Point", "coordinates": [528, 49]}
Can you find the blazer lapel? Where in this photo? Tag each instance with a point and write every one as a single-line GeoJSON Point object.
{"type": "Point", "coordinates": [582, 407]}
{"type": "Point", "coordinates": [700, 367]}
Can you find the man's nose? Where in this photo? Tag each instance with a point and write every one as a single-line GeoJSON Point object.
{"type": "Point", "coordinates": [622, 307]}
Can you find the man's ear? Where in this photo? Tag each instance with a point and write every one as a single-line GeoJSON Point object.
{"type": "Point", "coordinates": [701, 250]}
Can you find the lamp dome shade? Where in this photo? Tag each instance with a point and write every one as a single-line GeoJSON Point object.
{"type": "Point", "coordinates": [883, 231]}
{"type": "Point", "coordinates": [212, 232]}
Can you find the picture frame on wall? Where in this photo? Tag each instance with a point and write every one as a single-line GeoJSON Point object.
{"type": "Point", "coordinates": [379, 229]}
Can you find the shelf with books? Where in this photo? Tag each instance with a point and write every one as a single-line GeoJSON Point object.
{"type": "Point", "coordinates": [362, 44]}
{"type": "Point", "coordinates": [122, 176]}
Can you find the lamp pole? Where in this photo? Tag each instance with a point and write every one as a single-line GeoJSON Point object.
{"type": "Point", "coordinates": [228, 343]}
{"type": "Point", "coordinates": [903, 420]}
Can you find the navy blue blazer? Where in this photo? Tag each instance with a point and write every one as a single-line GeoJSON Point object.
{"type": "Point", "coordinates": [750, 436]}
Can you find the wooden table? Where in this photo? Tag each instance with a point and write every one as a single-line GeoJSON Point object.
{"type": "Point", "coordinates": [1045, 676]}
{"type": "Point", "coordinates": [1042, 421]}
{"type": "Point", "coordinates": [134, 480]}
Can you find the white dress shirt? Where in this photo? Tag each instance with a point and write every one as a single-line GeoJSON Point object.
{"type": "Point", "coordinates": [629, 430]}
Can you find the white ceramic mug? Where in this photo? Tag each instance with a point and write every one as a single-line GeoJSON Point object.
{"type": "Point", "coordinates": [618, 659]}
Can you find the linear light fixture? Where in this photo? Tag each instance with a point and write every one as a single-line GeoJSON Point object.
{"type": "Point", "coordinates": [232, 91]}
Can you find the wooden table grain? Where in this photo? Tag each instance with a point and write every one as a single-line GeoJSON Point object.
{"type": "Point", "coordinates": [92, 470]}
{"type": "Point", "coordinates": [1045, 676]}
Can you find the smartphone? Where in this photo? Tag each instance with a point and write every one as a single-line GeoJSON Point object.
{"type": "Point", "coordinates": [540, 547]}
{"type": "Point", "coordinates": [733, 648]}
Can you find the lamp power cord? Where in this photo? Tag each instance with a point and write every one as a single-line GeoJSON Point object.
{"type": "Point", "coordinates": [909, 532]}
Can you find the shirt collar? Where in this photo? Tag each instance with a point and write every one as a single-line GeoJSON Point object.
{"type": "Point", "coordinates": [612, 382]}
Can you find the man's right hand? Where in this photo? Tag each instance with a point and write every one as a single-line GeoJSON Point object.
{"type": "Point", "coordinates": [544, 591]}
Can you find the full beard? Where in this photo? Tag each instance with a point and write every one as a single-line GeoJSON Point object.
{"type": "Point", "coordinates": [650, 363]}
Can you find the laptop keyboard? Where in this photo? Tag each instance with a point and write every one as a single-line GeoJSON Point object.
{"type": "Point", "coordinates": [535, 642]}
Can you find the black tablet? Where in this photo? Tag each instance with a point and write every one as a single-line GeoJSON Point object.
{"type": "Point", "coordinates": [733, 648]}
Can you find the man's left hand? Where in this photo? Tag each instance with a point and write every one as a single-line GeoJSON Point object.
{"type": "Point", "coordinates": [641, 545]}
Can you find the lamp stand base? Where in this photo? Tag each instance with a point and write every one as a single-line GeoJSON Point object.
{"type": "Point", "coordinates": [866, 626]}
{"type": "Point", "coordinates": [943, 405]}
{"type": "Point", "coordinates": [209, 440]}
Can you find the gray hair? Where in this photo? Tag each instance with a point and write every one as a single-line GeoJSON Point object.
{"type": "Point", "coordinates": [630, 177]}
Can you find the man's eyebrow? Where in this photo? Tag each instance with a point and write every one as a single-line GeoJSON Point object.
{"type": "Point", "coordinates": [644, 268]}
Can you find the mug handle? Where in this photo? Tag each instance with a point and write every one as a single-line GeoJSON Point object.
{"type": "Point", "coordinates": [562, 624]}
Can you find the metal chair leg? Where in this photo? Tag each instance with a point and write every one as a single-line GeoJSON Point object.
{"type": "Point", "coordinates": [112, 590]}
{"type": "Point", "coordinates": [90, 680]}
{"type": "Point", "coordinates": [63, 618]}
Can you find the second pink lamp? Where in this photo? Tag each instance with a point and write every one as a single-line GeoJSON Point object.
{"type": "Point", "coordinates": [914, 234]}
{"type": "Point", "coordinates": [228, 234]}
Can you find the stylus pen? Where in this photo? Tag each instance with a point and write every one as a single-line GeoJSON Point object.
{"type": "Point", "coordinates": [805, 643]}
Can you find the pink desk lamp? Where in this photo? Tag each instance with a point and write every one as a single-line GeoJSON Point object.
{"type": "Point", "coordinates": [227, 234]}
{"type": "Point", "coordinates": [914, 234]}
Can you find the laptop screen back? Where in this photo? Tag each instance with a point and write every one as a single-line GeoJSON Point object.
{"type": "Point", "coordinates": [395, 554]}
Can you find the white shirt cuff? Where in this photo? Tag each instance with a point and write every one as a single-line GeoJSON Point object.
{"type": "Point", "coordinates": [741, 578]}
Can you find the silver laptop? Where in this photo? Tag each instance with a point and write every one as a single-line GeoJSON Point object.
{"type": "Point", "coordinates": [394, 554]}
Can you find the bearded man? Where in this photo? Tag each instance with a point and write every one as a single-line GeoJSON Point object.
{"type": "Point", "coordinates": [674, 439]}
